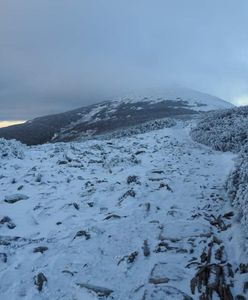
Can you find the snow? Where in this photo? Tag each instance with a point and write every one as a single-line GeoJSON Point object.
{"type": "Point", "coordinates": [227, 130]}
{"type": "Point", "coordinates": [198, 100]}
{"type": "Point", "coordinates": [184, 97]}
{"type": "Point", "coordinates": [94, 218]}
{"type": "Point", "coordinates": [237, 187]}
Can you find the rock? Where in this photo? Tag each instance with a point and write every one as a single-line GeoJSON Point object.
{"type": "Point", "coordinates": [146, 249]}
{"type": "Point", "coordinates": [40, 249]}
{"type": "Point", "coordinates": [239, 297]}
{"type": "Point", "coordinates": [243, 268]}
{"type": "Point", "coordinates": [165, 272]}
{"type": "Point", "coordinates": [164, 247]}
{"type": "Point", "coordinates": [157, 276]}
{"type": "Point", "coordinates": [112, 216]}
{"type": "Point", "coordinates": [147, 206]}
{"type": "Point", "coordinates": [76, 206]}
{"type": "Point", "coordinates": [132, 179]}
{"type": "Point", "coordinates": [68, 272]}
{"type": "Point", "coordinates": [165, 185]}
{"type": "Point", "coordinates": [39, 281]}
{"type": "Point", "coordinates": [100, 291]}
{"type": "Point", "coordinates": [140, 152]}
{"type": "Point", "coordinates": [158, 172]}
{"type": "Point", "coordinates": [8, 221]}
{"type": "Point", "coordinates": [164, 293]}
{"type": "Point", "coordinates": [130, 193]}
{"type": "Point", "coordinates": [38, 177]}
{"type": "Point", "coordinates": [82, 233]}
{"type": "Point", "coordinates": [3, 257]}
{"type": "Point", "coordinates": [229, 215]}
{"type": "Point", "coordinates": [62, 162]}
{"type": "Point", "coordinates": [5, 220]}
{"type": "Point", "coordinates": [15, 198]}
{"type": "Point", "coordinates": [131, 257]}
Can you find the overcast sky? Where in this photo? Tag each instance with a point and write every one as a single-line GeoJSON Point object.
{"type": "Point", "coordinates": [57, 55]}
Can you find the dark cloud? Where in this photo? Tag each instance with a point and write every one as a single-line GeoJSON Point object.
{"type": "Point", "coordinates": [58, 55]}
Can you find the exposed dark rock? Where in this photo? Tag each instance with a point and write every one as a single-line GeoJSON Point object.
{"type": "Point", "coordinates": [81, 233]}
{"type": "Point", "coordinates": [228, 215]}
{"type": "Point", "coordinates": [140, 152]}
{"type": "Point", "coordinates": [245, 289]}
{"type": "Point", "coordinates": [15, 198]}
{"type": "Point", "coordinates": [40, 249]}
{"type": "Point", "coordinates": [132, 257]}
{"type": "Point", "coordinates": [6, 220]}
{"type": "Point", "coordinates": [240, 297]}
{"type": "Point", "coordinates": [68, 272]}
{"type": "Point", "coordinates": [100, 291]}
{"type": "Point", "coordinates": [112, 216]}
{"type": "Point", "coordinates": [76, 206]}
{"type": "Point", "coordinates": [129, 193]}
{"type": "Point", "coordinates": [39, 281]}
{"type": "Point", "coordinates": [163, 247]}
{"type": "Point", "coordinates": [243, 268]}
{"type": "Point", "coordinates": [20, 187]}
{"type": "Point", "coordinates": [146, 249]}
{"type": "Point", "coordinates": [132, 179]}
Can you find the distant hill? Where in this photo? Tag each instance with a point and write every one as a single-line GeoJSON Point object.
{"type": "Point", "coordinates": [113, 114]}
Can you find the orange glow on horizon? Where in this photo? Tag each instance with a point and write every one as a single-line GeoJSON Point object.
{"type": "Point", "coordinates": [9, 123]}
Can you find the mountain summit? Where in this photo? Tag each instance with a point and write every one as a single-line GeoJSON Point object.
{"type": "Point", "coordinates": [114, 114]}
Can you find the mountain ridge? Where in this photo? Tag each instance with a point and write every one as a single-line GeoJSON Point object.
{"type": "Point", "coordinates": [113, 114]}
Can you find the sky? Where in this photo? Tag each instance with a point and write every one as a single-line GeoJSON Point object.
{"type": "Point", "coordinates": [59, 55]}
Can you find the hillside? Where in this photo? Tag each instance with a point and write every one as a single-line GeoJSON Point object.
{"type": "Point", "coordinates": [114, 114]}
{"type": "Point", "coordinates": [143, 216]}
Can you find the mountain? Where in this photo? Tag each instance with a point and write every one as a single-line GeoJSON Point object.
{"type": "Point", "coordinates": [114, 114]}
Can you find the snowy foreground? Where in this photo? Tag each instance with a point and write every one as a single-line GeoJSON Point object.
{"type": "Point", "coordinates": [142, 217]}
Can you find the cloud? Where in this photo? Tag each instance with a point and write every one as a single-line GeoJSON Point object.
{"type": "Point", "coordinates": [56, 55]}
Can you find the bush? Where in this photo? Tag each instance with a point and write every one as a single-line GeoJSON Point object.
{"type": "Point", "coordinates": [237, 186]}
{"type": "Point", "coordinates": [11, 149]}
{"type": "Point", "coordinates": [228, 131]}
{"type": "Point", "coordinates": [223, 130]}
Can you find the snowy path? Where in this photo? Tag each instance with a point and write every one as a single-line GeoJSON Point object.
{"type": "Point", "coordinates": [131, 215]}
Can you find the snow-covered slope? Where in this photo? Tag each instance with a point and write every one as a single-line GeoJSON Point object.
{"type": "Point", "coordinates": [114, 114]}
{"type": "Point", "coordinates": [140, 217]}
{"type": "Point", "coordinates": [197, 100]}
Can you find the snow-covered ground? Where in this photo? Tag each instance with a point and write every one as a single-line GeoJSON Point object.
{"type": "Point", "coordinates": [197, 100]}
{"type": "Point", "coordinates": [130, 218]}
